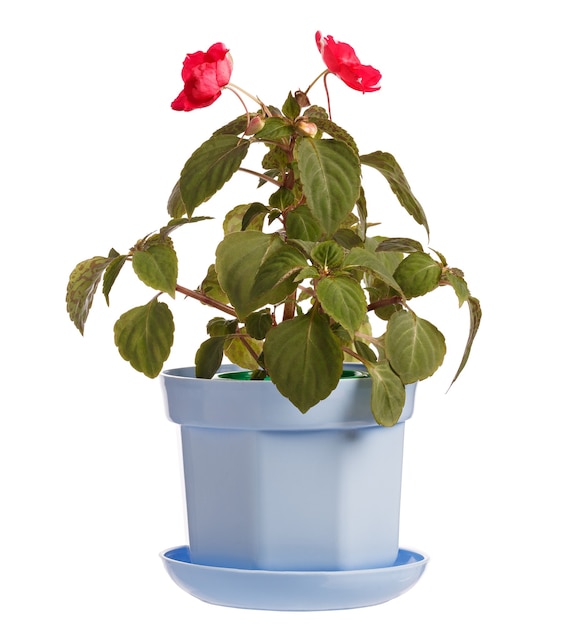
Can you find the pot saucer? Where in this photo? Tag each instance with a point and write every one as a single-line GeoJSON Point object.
{"type": "Point", "coordinates": [294, 590]}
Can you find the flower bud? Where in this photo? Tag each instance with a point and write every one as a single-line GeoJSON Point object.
{"type": "Point", "coordinates": [256, 123]}
{"type": "Point", "coordinates": [302, 99]}
{"type": "Point", "coordinates": [308, 129]}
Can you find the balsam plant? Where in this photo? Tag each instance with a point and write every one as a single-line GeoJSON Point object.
{"type": "Point", "coordinates": [296, 277]}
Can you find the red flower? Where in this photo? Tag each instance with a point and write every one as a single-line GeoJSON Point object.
{"type": "Point", "coordinates": [342, 61]}
{"type": "Point", "coordinates": [204, 75]}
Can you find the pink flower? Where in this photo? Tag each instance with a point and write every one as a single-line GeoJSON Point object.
{"type": "Point", "coordinates": [204, 75]}
{"type": "Point", "coordinates": [342, 61]}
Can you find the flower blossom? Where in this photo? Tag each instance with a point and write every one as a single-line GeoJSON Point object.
{"type": "Point", "coordinates": [204, 75]}
{"type": "Point", "coordinates": [342, 61]}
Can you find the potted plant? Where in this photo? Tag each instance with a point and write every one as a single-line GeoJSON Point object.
{"type": "Point", "coordinates": [313, 396]}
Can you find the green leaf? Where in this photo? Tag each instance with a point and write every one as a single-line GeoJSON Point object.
{"type": "Point", "coordinates": [328, 254]}
{"type": "Point", "coordinates": [304, 359]}
{"type": "Point", "coordinates": [388, 393]}
{"type": "Point", "coordinates": [348, 239]}
{"type": "Point", "coordinates": [175, 205]}
{"type": "Point", "coordinates": [291, 107]}
{"type": "Point", "coordinates": [144, 336]}
{"type": "Point", "coordinates": [111, 274]}
{"type": "Point", "coordinates": [238, 258]}
{"type": "Point", "coordinates": [276, 160]}
{"type": "Point", "coordinates": [443, 261]}
{"type": "Point", "coordinates": [208, 357]}
{"type": "Point", "coordinates": [283, 264]}
{"type": "Point", "coordinates": [282, 199]}
{"type": "Point", "coordinates": [302, 225]}
{"type": "Point", "coordinates": [220, 327]}
{"type": "Point", "coordinates": [305, 247]}
{"type": "Point", "coordinates": [209, 167]}
{"type": "Point", "coordinates": [475, 317]}
{"type": "Point", "coordinates": [362, 211]}
{"type": "Point", "coordinates": [274, 214]}
{"type": "Point", "coordinates": [460, 287]}
{"type": "Point", "coordinates": [399, 244]}
{"type": "Point", "coordinates": [275, 128]}
{"type": "Point", "coordinates": [253, 214]}
{"type": "Point", "coordinates": [330, 174]}
{"type": "Point", "coordinates": [211, 287]}
{"type": "Point", "coordinates": [333, 130]}
{"type": "Point", "coordinates": [414, 346]}
{"type": "Point", "coordinates": [81, 287]}
{"type": "Point", "coordinates": [343, 299]}
{"type": "Point", "coordinates": [259, 323]}
{"type": "Point", "coordinates": [310, 272]}
{"type": "Point", "coordinates": [387, 165]}
{"type": "Point", "coordinates": [157, 267]}
{"type": "Point", "coordinates": [175, 223]}
{"type": "Point", "coordinates": [418, 274]}
{"type": "Point", "coordinates": [235, 127]}
{"type": "Point", "coordinates": [316, 111]}
{"type": "Point", "coordinates": [380, 264]}
{"type": "Point", "coordinates": [236, 351]}
{"type": "Point", "coordinates": [365, 351]}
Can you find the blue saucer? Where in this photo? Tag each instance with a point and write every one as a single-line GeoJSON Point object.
{"type": "Point", "coordinates": [292, 590]}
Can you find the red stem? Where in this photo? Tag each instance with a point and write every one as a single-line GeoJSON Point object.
{"type": "Point", "coordinates": [198, 295]}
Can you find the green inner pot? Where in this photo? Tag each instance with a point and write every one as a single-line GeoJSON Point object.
{"type": "Point", "coordinates": [247, 375]}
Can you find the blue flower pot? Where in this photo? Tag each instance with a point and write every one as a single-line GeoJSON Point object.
{"type": "Point", "coordinates": [269, 489]}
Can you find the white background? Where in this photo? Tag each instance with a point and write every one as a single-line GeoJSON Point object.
{"type": "Point", "coordinates": [483, 105]}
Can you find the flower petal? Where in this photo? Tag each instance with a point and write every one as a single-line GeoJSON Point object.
{"type": "Point", "coordinates": [204, 75]}
{"type": "Point", "coordinates": [341, 60]}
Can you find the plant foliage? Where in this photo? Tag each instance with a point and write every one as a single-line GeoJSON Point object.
{"type": "Point", "coordinates": [297, 276]}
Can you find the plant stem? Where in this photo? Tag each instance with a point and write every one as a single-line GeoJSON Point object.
{"type": "Point", "coordinates": [198, 295]}
{"type": "Point", "coordinates": [233, 86]}
{"type": "Point", "coordinates": [365, 338]}
{"type": "Point", "coordinates": [229, 88]}
{"type": "Point", "coordinates": [327, 95]}
{"type": "Point", "coordinates": [243, 338]}
{"type": "Point", "coordinates": [353, 354]}
{"type": "Point", "coordinates": [268, 179]}
{"type": "Point", "coordinates": [315, 81]}
{"type": "Point", "coordinates": [204, 299]}
{"type": "Point", "coordinates": [385, 302]}
{"type": "Point", "coordinates": [290, 302]}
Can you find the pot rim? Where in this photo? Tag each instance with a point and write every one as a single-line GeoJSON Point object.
{"type": "Point", "coordinates": [258, 405]}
